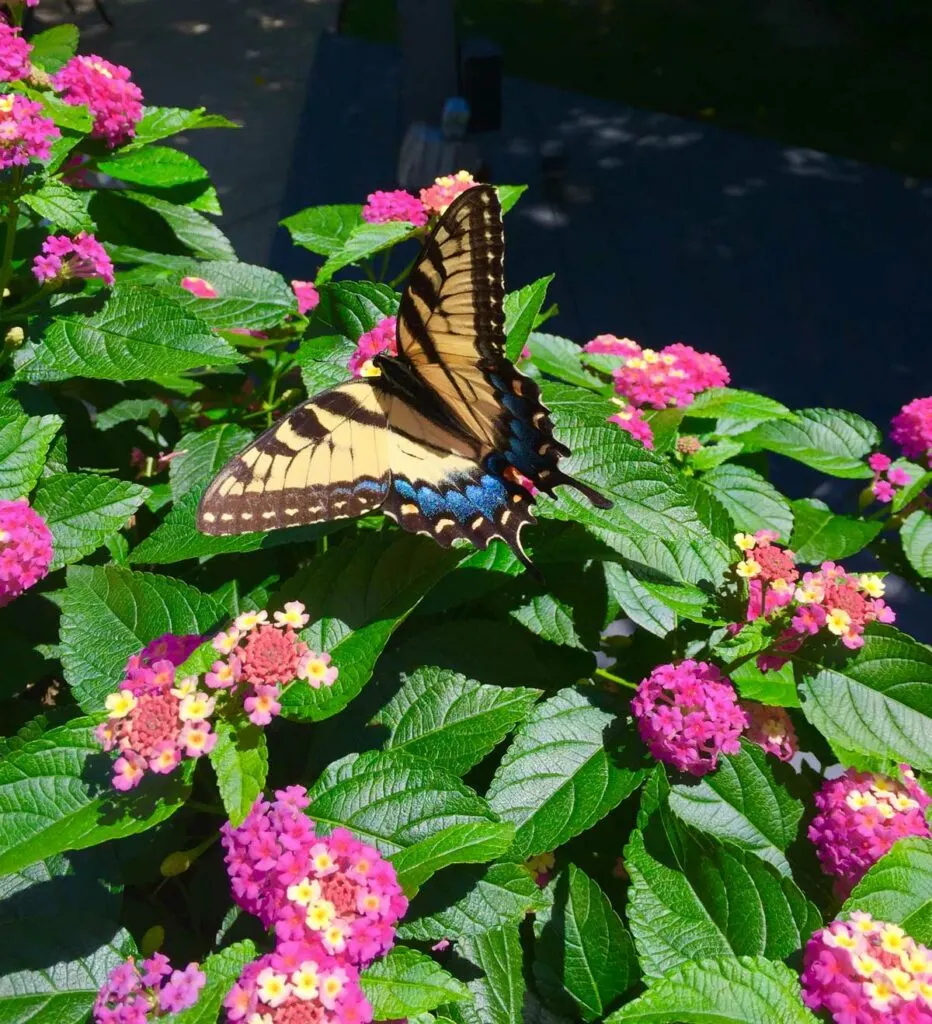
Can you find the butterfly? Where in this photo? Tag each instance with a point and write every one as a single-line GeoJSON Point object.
{"type": "Point", "coordinates": [444, 440]}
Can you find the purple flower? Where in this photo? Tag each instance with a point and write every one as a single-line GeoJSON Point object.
{"type": "Point", "coordinates": [382, 207]}
{"type": "Point", "coordinates": [181, 990]}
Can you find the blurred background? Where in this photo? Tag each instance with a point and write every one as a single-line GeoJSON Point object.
{"type": "Point", "coordinates": [747, 176]}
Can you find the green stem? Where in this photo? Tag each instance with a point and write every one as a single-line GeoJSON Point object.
{"type": "Point", "coordinates": [21, 307]}
{"type": "Point", "coordinates": [383, 270]}
{"type": "Point", "coordinates": [12, 216]}
{"type": "Point", "coordinates": [197, 805]}
{"type": "Point", "coordinates": [395, 281]}
{"type": "Point", "coordinates": [604, 673]}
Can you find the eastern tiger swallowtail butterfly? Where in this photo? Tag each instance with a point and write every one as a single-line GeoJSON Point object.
{"type": "Point", "coordinates": [439, 440]}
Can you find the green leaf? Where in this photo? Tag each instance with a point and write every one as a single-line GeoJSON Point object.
{"type": "Point", "coordinates": [161, 122]}
{"type": "Point", "coordinates": [898, 888]}
{"type": "Point", "coordinates": [742, 990]}
{"type": "Point", "coordinates": [743, 805]}
{"type": "Point", "coordinates": [109, 613]}
{"type": "Point", "coordinates": [832, 441]}
{"type": "Point", "coordinates": [470, 901]}
{"type": "Point", "coordinates": [138, 334]}
{"type": "Point", "coordinates": [203, 454]}
{"type": "Point", "coordinates": [736, 405]}
{"type": "Point", "coordinates": [656, 607]}
{"type": "Point", "coordinates": [249, 297]}
{"type": "Point", "coordinates": [508, 195]}
{"type": "Point", "coordinates": [451, 720]}
{"type": "Point", "coordinates": [63, 207]}
{"type": "Point", "coordinates": [24, 444]}
{"type": "Point", "coordinates": [324, 229]}
{"type": "Point", "coordinates": [129, 411]}
{"type": "Point", "coordinates": [458, 844]}
{"type": "Point", "coordinates": [561, 774]}
{"type": "Point", "coordinates": [711, 455]}
{"type": "Point", "coordinates": [873, 706]}
{"type": "Point", "coordinates": [241, 762]}
{"type": "Point", "coordinates": [82, 510]}
{"type": "Point", "coordinates": [55, 796]}
{"type": "Point", "coordinates": [583, 950]}
{"type": "Point", "coordinates": [65, 115]}
{"type": "Point", "coordinates": [776, 687]}
{"type": "Point", "coordinates": [324, 361]}
{"type": "Point", "coordinates": [364, 240]}
{"type": "Point", "coordinates": [559, 357]}
{"type": "Point", "coordinates": [820, 535]}
{"type": "Point", "coordinates": [752, 502]}
{"type": "Point", "coordinates": [159, 166]}
{"type": "Point", "coordinates": [222, 970]}
{"type": "Point", "coordinates": [193, 230]}
{"type": "Point", "coordinates": [54, 47]}
{"type": "Point", "coordinates": [357, 595]}
{"type": "Point", "coordinates": [407, 982]}
{"type": "Point", "coordinates": [522, 312]}
{"type": "Point", "coordinates": [350, 308]}
{"type": "Point", "coordinates": [919, 480]}
{"type": "Point", "coordinates": [494, 965]}
{"type": "Point", "coordinates": [916, 535]}
{"type": "Point", "coordinates": [549, 618]}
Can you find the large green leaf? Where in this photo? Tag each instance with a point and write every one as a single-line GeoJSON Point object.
{"type": "Point", "coordinates": [159, 166]}
{"type": "Point", "coordinates": [898, 888]}
{"type": "Point", "coordinates": [916, 535]}
{"type": "Point", "coordinates": [61, 206]}
{"type": "Point", "coordinates": [564, 771]}
{"type": "Point", "coordinates": [109, 613]}
{"type": "Point", "coordinates": [364, 240]}
{"type": "Point", "coordinates": [654, 606]}
{"type": "Point", "coordinates": [203, 454]}
{"type": "Point", "coordinates": [742, 990]}
{"type": "Point", "coordinates": [820, 535]}
{"type": "Point", "coordinates": [192, 229]}
{"type": "Point", "coordinates": [247, 297]}
{"type": "Point", "coordinates": [222, 970]}
{"type": "Point", "coordinates": [161, 122]}
{"type": "Point", "coordinates": [324, 361]}
{"type": "Point", "coordinates": [470, 900]}
{"type": "Point", "coordinates": [138, 334]}
{"type": "Point", "coordinates": [24, 444]}
{"type": "Point", "coordinates": [350, 308]}
{"type": "Point", "coordinates": [54, 47]}
{"type": "Point", "coordinates": [583, 950]}
{"type": "Point", "coordinates": [451, 720]}
{"type": "Point", "coordinates": [494, 969]}
{"type": "Point", "coordinates": [522, 314]}
{"type": "Point", "coordinates": [240, 760]}
{"type": "Point", "coordinates": [356, 595]}
{"type": "Point", "coordinates": [873, 706]}
{"type": "Point", "coordinates": [407, 982]}
{"type": "Point", "coordinates": [82, 510]}
{"type": "Point", "coordinates": [55, 796]}
{"type": "Point", "coordinates": [752, 502]}
{"type": "Point", "coordinates": [832, 441]}
{"type": "Point", "coordinates": [737, 405]}
{"type": "Point", "coordinates": [560, 357]}
{"type": "Point", "coordinates": [324, 229]}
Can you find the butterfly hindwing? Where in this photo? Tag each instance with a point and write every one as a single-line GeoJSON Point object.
{"type": "Point", "coordinates": [328, 459]}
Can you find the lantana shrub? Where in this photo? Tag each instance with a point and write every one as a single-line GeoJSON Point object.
{"type": "Point", "coordinates": [337, 773]}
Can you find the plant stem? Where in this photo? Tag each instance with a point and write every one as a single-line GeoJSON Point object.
{"type": "Point", "coordinates": [197, 805]}
{"type": "Point", "coordinates": [21, 307]}
{"type": "Point", "coordinates": [12, 216]}
{"type": "Point", "coordinates": [395, 281]}
{"type": "Point", "coordinates": [604, 673]}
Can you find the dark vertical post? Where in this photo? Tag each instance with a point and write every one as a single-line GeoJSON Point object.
{"type": "Point", "coordinates": [427, 29]}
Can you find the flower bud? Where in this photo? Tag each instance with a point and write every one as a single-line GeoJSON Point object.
{"type": "Point", "coordinates": [14, 337]}
{"type": "Point", "coordinates": [152, 940]}
{"type": "Point", "coordinates": [176, 863]}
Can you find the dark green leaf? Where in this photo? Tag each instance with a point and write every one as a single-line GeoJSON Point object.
{"type": "Point", "coordinates": [129, 411]}
{"type": "Point", "coordinates": [191, 228]}
{"type": "Point", "coordinates": [820, 535]}
{"type": "Point", "coordinates": [916, 535]}
{"type": "Point", "coordinates": [203, 454]}
{"type": "Point", "coordinates": [737, 405]}
{"type": "Point", "coordinates": [364, 240]}
{"type": "Point", "coordinates": [324, 229]}
{"type": "Point", "coordinates": [63, 207]}
{"type": "Point", "coordinates": [497, 987]}
{"type": "Point", "coordinates": [752, 502]}
{"type": "Point", "coordinates": [324, 361]}
{"type": "Point", "coordinates": [522, 312]}
{"type": "Point", "coordinates": [241, 762]}
{"type": "Point", "coordinates": [898, 888]}
{"type": "Point", "coordinates": [350, 308]}
{"type": "Point", "coordinates": [24, 443]}
{"type": "Point", "coordinates": [407, 982]}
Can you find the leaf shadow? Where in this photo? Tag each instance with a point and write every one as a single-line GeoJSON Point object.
{"type": "Point", "coordinates": [154, 795]}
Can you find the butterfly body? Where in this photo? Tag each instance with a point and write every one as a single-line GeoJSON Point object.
{"type": "Point", "coordinates": [445, 440]}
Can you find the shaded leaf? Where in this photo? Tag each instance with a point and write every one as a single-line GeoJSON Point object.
{"type": "Point", "coordinates": [752, 502]}
{"type": "Point", "coordinates": [898, 888]}
{"type": "Point", "coordinates": [498, 990]}
{"type": "Point", "coordinates": [407, 982]}
{"type": "Point", "coordinates": [240, 760]}
{"type": "Point", "coordinates": [916, 535]}
{"type": "Point", "coordinates": [24, 443]}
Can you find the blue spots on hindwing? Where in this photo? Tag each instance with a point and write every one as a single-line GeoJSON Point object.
{"type": "Point", "coordinates": [461, 507]}
{"type": "Point", "coordinates": [430, 502]}
{"type": "Point", "coordinates": [405, 490]}
{"type": "Point", "coordinates": [489, 495]}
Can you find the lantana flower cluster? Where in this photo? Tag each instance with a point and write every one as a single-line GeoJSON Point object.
{"type": "Point", "coordinates": [688, 715]}
{"type": "Point", "coordinates": [332, 901]}
{"type": "Point", "coordinates": [397, 205]}
{"type": "Point", "coordinates": [911, 429]}
{"type": "Point", "coordinates": [25, 135]}
{"type": "Point", "coordinates": [25, 548]}
{"type": "Point", "coordinates": [887, 477]}
{"type": "Point", "coordinates": [137, 994]}
{"type": "Point", "coordinates": [114, 100]}
{"type": "Point", "coordinates": [860, 816]}
{"type": "Point", "coordinates": [445, 189]}
{"type": "Point", "coordinates": [862, 971]}
{"type": "Point", "coordinates": [14, 54]}
{"type": "Point", "coordinates": [382, 338]}
{"type": "Point", "coordinates": [771, 728]}
{"type": "Point", "coordinates": [63, 257]}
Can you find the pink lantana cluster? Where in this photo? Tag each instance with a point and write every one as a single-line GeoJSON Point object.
{"type": "Point", "coordinates": [63, 257]}
{"type": "Point", "coordinates": [911, 429]}
{"type": "Point", "coordinates": [688, 714]}
{"type": "Point", "coordinates": [382, 338]}
{"type": "Point", "coordinates": [307, 295]}
{"type": "Point", "coordinates": [398, 205]}
{"type": "Point", "coordinates": [25, 548]}
{"type": "Point", "coordinates": [14, 54]}
{"type": "Point", "coordinates": [770, 572]}
{"type": "Point", "coordinates": [114, 100]}
{"type": "Point", "coordinates": [25, 134]}
{"type": "Point", "coordinates": [137, 994]}
{"type": "Point", "coordinates": [632, 421]}
{"type": "Point", "coordinates": [445, 189]}
{"type": "Point", "coordinates": [332, 892]}
{"type": "Point", "coordinates": [860, 816]}
{"type": "Point", "coordinates": [262, 657]}
{"type": "Point", "coordinates": [887, 477]}
{"type": "Point", "coordinates": [671, 377]}
{"type": "Point", "coordinates": [609, 345]}
{"type": "Point", "coordinates": [863, 971]}
{"type": "Point", "coordinates": [771, 729]}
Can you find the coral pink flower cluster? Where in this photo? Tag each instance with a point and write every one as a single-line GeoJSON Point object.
{"type": "Point", "coordinates": [382, 338]}
{"type": "Point", "coordinates": [25, 134]}
{"type": "Point", "coordinates": [863, 971]}
{"type": "Point", "coordinates": [14, 54]}
{"type": "Point", "coordinates": [770, 572]}
{"type": "Point", "coordinates": [398, 205]}
{"type": "Point", "coordinates": [911, 429]}
{"type": "Point", "coordinates": [25, 548]}
{"type": "Point", "coordinates": [445, 189]}
{"type": "Point", "coordinates": [137, 994]}
{"type": "Point", "coordinates": [771, 729]}
{"type": "Point", "coordinates": [332, 901]}
{"type": "Point", "coordinates": [860, 816]}
{"type": "Point", "coordinates": [63, 257]}
{"type": "Point", "coordinates": [115, 102]}
{"type": "Point", "coordinates": [887, 477]}
{"type": "Point", "coordinates": [688, 715]}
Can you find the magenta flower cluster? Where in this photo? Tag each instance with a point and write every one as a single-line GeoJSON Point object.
{"type": "Point", "coordinates": [887, 477]}
{"type": "Point", "coordinates": [862, 971]}
{"type": "Point", "coordinates": [25, 548]}
{"type": "Point", "coordinates": [114, 100]}
{"type": "Point", "coordinates": [398, 205]}
{"type": "Point", "coordinates": [307, 295]}
{"type": "Point", "coordinates": [860, 816]}
{"type": "Point", "coordinates": [911, 429]}
{"type": "Point", "coordinates": [25, 134]}
{"type": "Point", "coordinates": [63, 257]}
{"type": "Point", "coordinates": [137, 994]}
{"type": "Point", "coordinates": [332, 901]}
{"type": "Point", "coordinates": [382, 338]}
{"type": "Point", "coordinates": [14, 54]}
{"type": "Point", "coordinates": [771, 729]}
{"type": "Point", "coordinates": [688, 715]}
